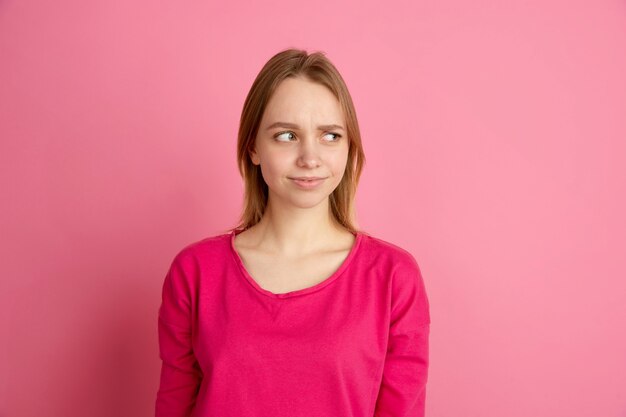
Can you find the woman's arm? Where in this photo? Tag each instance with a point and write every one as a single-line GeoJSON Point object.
{"type": "Point", "coordinates": [180, 372]}
{"type": "Point", "coordinates": [405, 373]}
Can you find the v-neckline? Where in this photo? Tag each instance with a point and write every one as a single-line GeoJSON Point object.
{"type": "Point", "coordinates": [303, 291]}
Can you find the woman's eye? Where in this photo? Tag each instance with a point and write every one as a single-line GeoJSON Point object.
{"type": "Point", "coordinates": [335, 138]}
{"type": "Point", "coordinates": [284, 136]}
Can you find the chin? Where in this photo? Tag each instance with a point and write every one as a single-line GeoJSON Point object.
{"type": "Point", "coordinates": [308, 202]}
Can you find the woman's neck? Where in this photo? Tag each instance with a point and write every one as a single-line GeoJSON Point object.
{"type": "Point", "coordinates": [297, 231]}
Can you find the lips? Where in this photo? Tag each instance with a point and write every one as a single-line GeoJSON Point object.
{"type": "Point", "coordinates": [308, 183]}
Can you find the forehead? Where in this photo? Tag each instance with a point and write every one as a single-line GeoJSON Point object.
{"type": "Point", "coordinates": [303, 99]}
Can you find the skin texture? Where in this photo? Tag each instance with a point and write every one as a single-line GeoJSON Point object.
{"type": "Point", "coordinates": [292, 152]}
{"type": "Point", "coordinates": [298, 221]}
{"type": "Point", "coordinates": [297, 231]}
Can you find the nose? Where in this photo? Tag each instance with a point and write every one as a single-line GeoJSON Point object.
{"type": "Point", "coordinates": [309, 156]}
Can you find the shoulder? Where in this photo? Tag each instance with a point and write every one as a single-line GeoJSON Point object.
{"type": "Point", "coordinates": [199, 251]}
{"type": "Point", "coordinates": [404, 277]}
{"type": "Point", "coordinates": [381, 250]}
{"type": "Point", "coordinates": [396, 265]}
{"type": "Point", "coordinates": [194, 260]}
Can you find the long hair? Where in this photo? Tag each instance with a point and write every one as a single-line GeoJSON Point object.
{"type": "Point", "coordinates": [317, 68]}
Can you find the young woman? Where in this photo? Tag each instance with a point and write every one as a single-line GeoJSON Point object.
{"type": "Point", "coordinates": [295, 312]}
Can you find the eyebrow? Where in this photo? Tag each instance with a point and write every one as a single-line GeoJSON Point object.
{"type": "Point", "coordinates": [296, 127]}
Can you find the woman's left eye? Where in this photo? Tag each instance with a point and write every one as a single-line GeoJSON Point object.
{"type": "Point", "coordinates": [336, 136]}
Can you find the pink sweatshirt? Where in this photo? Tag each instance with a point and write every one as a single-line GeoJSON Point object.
{"type": "Point", "coordinates": [354, 345]}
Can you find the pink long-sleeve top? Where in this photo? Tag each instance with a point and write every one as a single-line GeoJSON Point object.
{"type": "Point", "coordinates": [354, 345]}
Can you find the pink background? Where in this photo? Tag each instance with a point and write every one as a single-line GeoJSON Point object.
{"type": "Point", "coordinates": [495, 141]}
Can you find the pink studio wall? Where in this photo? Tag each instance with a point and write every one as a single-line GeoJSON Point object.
{"type": "Point", "coordinates": [495, 142]}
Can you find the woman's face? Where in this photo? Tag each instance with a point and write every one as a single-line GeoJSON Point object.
{"type": "Point", "coordinates": [302, 134]}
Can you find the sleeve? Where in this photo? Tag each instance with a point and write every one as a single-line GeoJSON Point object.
{"type": "Point", "coordinates": [180, 373]}
{"type": "Point", "coordinates": [403, 388]}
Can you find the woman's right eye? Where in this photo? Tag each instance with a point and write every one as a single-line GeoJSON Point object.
{"type": "Point", "coordinates": [284, 136]}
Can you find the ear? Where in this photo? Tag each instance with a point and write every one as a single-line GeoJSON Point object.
{"type": "Point", "coordinates": [254, 156]}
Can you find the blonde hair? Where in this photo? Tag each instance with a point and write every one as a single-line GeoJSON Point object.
{"type": "Point", "coordinates": [317, 68]}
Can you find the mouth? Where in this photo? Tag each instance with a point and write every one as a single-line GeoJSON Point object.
{"type": "Point", "coordinates": [308, 183]}
{"type": "Point", "coordinates": [307, 178]}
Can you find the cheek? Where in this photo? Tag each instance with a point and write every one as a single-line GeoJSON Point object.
{"type": "Point", "coordinates": [338, 162]}
{"type": "Point", "coordinates": [274, 167]}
